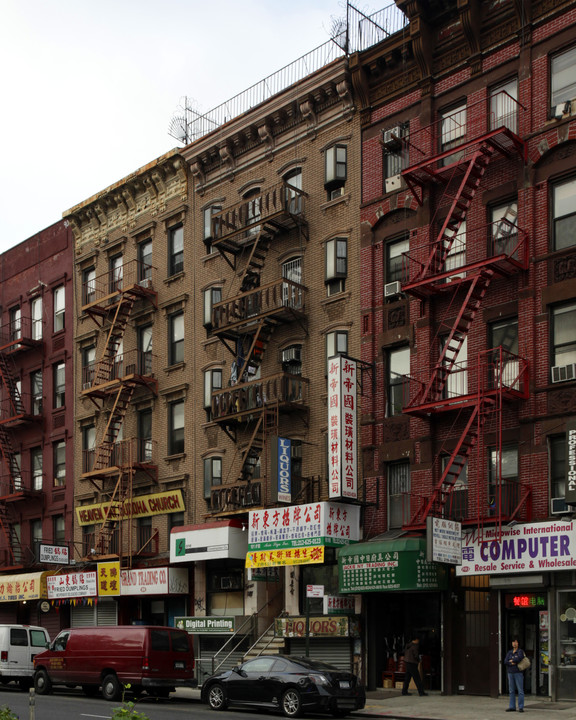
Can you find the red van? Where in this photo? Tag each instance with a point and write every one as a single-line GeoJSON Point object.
{"type": "Point", "coordinates": [151, 658]}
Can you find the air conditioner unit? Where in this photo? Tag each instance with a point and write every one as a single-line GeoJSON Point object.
{"type": "Point", "coordinates": [562, 109]}
{"type": "Point", "coordinates": [558, 506]}
{"type": "Point", "coordinates": [562, 373]}
{"type": "Point", "coordinates": [292, 354]}
{"type": "Point", "coordinates": [393, 183]}
{"type": "Point", "coordinates": [391, 139]}
{"type": "Point", "coordinates": [145, 283]}
{"type": "Point", "coordinates": [392, 289]}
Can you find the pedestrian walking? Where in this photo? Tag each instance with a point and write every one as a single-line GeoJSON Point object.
{"type": "Point", "coordinates": [515, 676]}
{"type": "Point", "coordinates": [411, 660]}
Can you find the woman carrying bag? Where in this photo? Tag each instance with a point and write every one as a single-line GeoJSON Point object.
{"type": "Point", "coordinates": [516, 662]}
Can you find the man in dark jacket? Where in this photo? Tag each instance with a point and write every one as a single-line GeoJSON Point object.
{"type": "Point", "coordinates": [411, 660]}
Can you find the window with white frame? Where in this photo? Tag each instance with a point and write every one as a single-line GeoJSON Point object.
{"type": "Point", "coordinates": [145, 263]}
{"type": "Point", "coordinates": [36, 464]}
{"type": "Point", "coordinates": [456, 506]}
{"type": "Point", "coordinates": [36, 531]}
{"type": "Point", "coordinates": [456, 257]}
{"type": "Point", "coordinates": [336, 265]}
{"type": "Point", "coordinates": [504, 334]}
{"type": "Point", "coordinates": [212, 474]}
{"type": "Point", "coordinates": [211, 296]}
{"type": "Point", "coordinates": [294, 198]}
{"type": "Point", "coordinates": [336, 343]}
{"type": "Point", "coordinates": [15, 315]}
{"type": "Point", "coordinates": [116, 272]}
{"type": "Point", "coordinates": [176, 338]}
{"type": "Point", "coordinates": [59, 379]}
{"type": "Point", "coordinates": [58, 530]}
{"type": "Point", "coordinates": [36, 391]}
{"type": "Point", "coordinates": [36, 310]}
{"type": "Point", "coordinates": [452, 131]}
{"type": "Point", "coordinates": [292, 293]}
{"type": "Point", "coordinates": [564, 214]}
{"type": "Point", "coordinates": [563, 337]}
{"type": "Point", "coordinates": [395, 250]}
{"type": "Point", "coordinates": [88, 285]}
{"type": "Point", "coordinates": [504, 106]}
{"type": "Point", "coordinates": [16, 466]}
{"type": "Point", "coordinates": [59, 308]}
{"type": "Point", "coordinates": [503, 485]}
{"type": "Point", "coordinates": [59, 463]}
{"type": "Point", "coordinates": [504, 230]}
{"type": "Point", "coordinates": [557, 461]}
{"type": "Point", "coordinates": [397, 385]}
{"type": "Point", "coordinates": [212, 382]}
{"type": "Point", "coordinates": [175, 250]}
{"type": "Point", "coordinates": [562, 78]}
{"type": "Point", "coordinates": [398, 482]}
{"type": "Point", "coordinates": [176, 427]}
{"type": "Point", "coordinates": [88, 447]}
{"type": "Point", "coordinates": [336, 170]}
{"type": "Point", "coordinates": [208, 235]}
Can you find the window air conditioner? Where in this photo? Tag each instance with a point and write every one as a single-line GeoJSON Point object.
{"type": "Point", "coordinates": [562, 373]}
{"type": "Point", "coordinates": [145, 283]}
{"type": "Point", "coordinates": [558, 506]}
{"type": "Point", "coordinates": [392, 183]}
{"type": "Point", "coordinates": [392, 289]}
{"type": "Point", "coordinates": [562, 109]}
{"type": "Point", "coordinates": [391, 139]}
{"type": "Point", "coordinates": [292, 354]}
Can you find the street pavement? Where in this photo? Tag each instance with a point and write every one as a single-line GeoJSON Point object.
{"type": "Point", "coordinates": [392, 704]}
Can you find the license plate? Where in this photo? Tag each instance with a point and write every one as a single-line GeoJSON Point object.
{"type": "Point", "coordinates": [344, 684]}
{"type": "Point", "coordinates": [179, 666]}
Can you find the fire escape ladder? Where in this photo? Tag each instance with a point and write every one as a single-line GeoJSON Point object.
{"type": "Point", "coordinates": [8, 376]}
{"type": "Point", "coordinates": [252, 452]}
{"type": "Point", "coordinates": [122, 492]}
{"type": "Point", "coordinates": [250, 274]}
{"type": "Point", "coordinates": [457, 212]}
{"type": "Point", "coordinates": [103, 454]}
{"type": "Point", "coordinates": [114, 336]}
{"type": "Point", "coordinates": [258, 346]}
{"type": "Point", "coordinates": [10, 536]}
{"type": "Point", "coordinates": [9, 459]}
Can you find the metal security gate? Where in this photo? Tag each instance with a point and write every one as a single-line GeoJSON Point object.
{"type": "Point", "coordinates": [101, 613]}
{"type": "Point", "coordinates": [336, 652]}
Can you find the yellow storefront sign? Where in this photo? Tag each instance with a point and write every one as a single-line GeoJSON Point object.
{"type": "Point", "coordinates": [26, 586]}
{"type": "Point", "coordinates": [140, 506]}
{"type": "Point", "coordinates": [286, 556]}
{"type": "Point", "coordinates": [109, 578]}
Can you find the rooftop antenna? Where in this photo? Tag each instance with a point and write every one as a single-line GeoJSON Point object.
{"type": "Point", "coordinates": [181, 122]}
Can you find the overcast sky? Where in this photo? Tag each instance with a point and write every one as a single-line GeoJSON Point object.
{"type": "Point", "coordinates": [89, 86]}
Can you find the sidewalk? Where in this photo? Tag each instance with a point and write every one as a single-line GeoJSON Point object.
{"type": "Point", "coordinates": [392, 704]}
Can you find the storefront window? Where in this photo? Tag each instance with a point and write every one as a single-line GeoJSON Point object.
{"type": "Point", "coordinates": [567, 628]}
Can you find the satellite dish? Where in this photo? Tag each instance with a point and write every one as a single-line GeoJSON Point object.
{"type": "Point", "coordinates": [178, 129]}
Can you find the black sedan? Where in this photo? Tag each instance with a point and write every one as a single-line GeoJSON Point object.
{"type": "Point", "coordinates": [287, 683]}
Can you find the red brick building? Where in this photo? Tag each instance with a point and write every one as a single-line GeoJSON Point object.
{"type": "Point", "coordinates": [36, 410]}
{"type": "Point", "coordinates": [469, 317]}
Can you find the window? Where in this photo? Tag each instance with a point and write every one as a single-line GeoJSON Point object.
{"type": "Point", "coordinates": [503, 497]}
{"type": "Point", "coordinates": [116, 270]}
{"type": "Point", "coordinates": [456, 507]}
{"type": "Point", "coordinates": [504, 334]}
{"type": "Point", "coordinates": [144, 533]}
{"type": "Point", "coordinates": [59, 308]}
{"type": "Point", "coordinates": [398, 368]}
{"type": "Point", "coordinates": [35, 531]}
{"type": "Point", "coordinates": [294, 199]}
{"type": "Point", "coordinates": [504, 231]}
{"type": "Point", "coordinates": [557, 454]}
{"type": "Point", "coordinates": [457, 379]}
{"type": "Point", "coordinates": [176, 427]}
{"type": "Point", "coordinates": [292, 272]}
{"type": "Point", "coordinates": [176, 250]}
{"type": "Point", "coordinates": [16, 467]}
{"type": "Point", "coordinates": [564, 214]}
{"type": "Point", "coordinates": [59, 385]}
{"type": "Point", "coordinates": [336, 343]}
{"type": "Point", "coordinates": [88, 285]}
{"type": "Point", "coordinates": [253, 210]}
{"type": "Point", "coordinates": [563, 78]}
{"type": "Point", "coordinates": [398, 476]}
{"type": "Point", "coordinates": [36, 465]}
{"type": "Point", "coordinates": [88, 447]}
{"type": "Point", "coordinates": [452, 131]}
{"type": "Point", "coordinates": [176, 329]}
{"type": "Point", "coordinates": [563, 335]}
{"type": "Point", "coordinates": [145, 263]}
{"type": "Point", "coordinates": [36, 391]}
{"type": "Point", "coordinates": [36, 309]}
{"type": "Point", "coordinates": [504, 106]}
{"type": "Point", "coordinates": [395, 259]}
{"type": "Point", "coordinates": [145, 350]}
{"type": "Point", "coordinates": [15, 323]}
{"type": "Point", "coordinates": [212, 382]}
{"type": "Point", "coordinates": [212, 474]}
{"type": "Point", "coordinates": [211, 296]}
{"type": "Point", "coordinates": [59, 457]}
{"type": "Point", "coordinates": [336, 170]}
{"type": "Point", "coordinates": [456, 256]}
{"type": "Point", "coordinates": [336, 265]}
{"type": "Point", "coordinates": [88, 366]}
{"type": "Point", "coordinates": [175, 520]}
{"type": "Point", "coordinates": [208, 233]}
{"type": "Point", "coordinates": [395, 156]}
{"type": "Point", "coordinates": [145, 435]}
{"type": "Point", "coordinates": [58, 530]}
{"type": "Point", "coordinates": [292, 360]}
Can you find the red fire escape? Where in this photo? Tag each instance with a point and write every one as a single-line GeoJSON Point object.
{"type": "Point", "coordinates": [452, 162]}
{"type": "Point", "coordinates": [110, 382]}
{"type": "Point", "coordinates": [16, 410]}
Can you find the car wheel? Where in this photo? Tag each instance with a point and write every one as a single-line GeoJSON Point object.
{"type": "Point", "coordinates": [42, 683]}
{"type": "Point", "coordinates": [291, 703]}
{"type": "Point", "coordinates": [217, 697]}
{"type": "Point", "coordinates": [111, 689]}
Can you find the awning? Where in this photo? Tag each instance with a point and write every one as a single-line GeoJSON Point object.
{"type": "Point", "coordinates": [386, 565]}
{"type": "Point", "coordinates": [25, 586]}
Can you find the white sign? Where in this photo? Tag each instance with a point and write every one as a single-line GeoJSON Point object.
{"type": "Point", "coordinates": [57, 554]}
{"type": "Point", "coordinates": [339, 605]}
{"type": "Point", "coordinates": [211, 543]}
{"type": "Point", "coordinates": [323, 523]}
{"type": "Point", "coordinates": [534, 547]}
{"type": "Point", "coordinates": [154, 581]}
{"type": "Point", "coordinates": [315, 591]}
{"type": "Point", "coordinates": [444, 541]}
{"type": "Point", "coordinates": [342, 428]}
{"type": "Point", "coordinates": [73, 585]}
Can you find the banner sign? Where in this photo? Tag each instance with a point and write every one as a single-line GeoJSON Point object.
{"type": "Point", "coordinates": [342, 430]}
{"type": "Point", "coordinates": [289, 627]}
{"type": "Point", "coordinates": [73, 585]}
{"type": "Point", "coordinates": [296, 556]}
{"type": "Point", "coordinates": [324, 523]}
{"type": "Point", "coordinates": [26, 586]}
{"type": "Point", "coordinates": [139, 506]}
{"type": "Point", "coordinates": [207, 625]}
{"type": "Point", "coordinates": [533, 547]}
{"type": "Point", "coordinates": [338, 605]}
{"type": "Point", "coordinates": [109, 578]}
{"type": "Point", "coordinates": [444, 540]}
{"type": "Point", "coordinates": [57, 554]}
{"type": "Point", "coordinates": [154, 581]}
{"type": "Point", "coordinates": [570, 497]}
{"type": "Point", "coordinates": [284, 470]}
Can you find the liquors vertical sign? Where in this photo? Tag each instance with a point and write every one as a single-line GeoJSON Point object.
{"type": "Point", "coordinates": [284, 470]}
{"type": "Point", "coordinates": [342, 435]}
{"type": "Point", "coordinates": [571, 462]}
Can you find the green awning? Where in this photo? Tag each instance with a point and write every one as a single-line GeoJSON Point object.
{"type": "Point", "coordinates": [389, 565]}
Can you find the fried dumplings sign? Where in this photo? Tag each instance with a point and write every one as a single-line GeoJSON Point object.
{"type": "Point", "coordinates": [534, 547]}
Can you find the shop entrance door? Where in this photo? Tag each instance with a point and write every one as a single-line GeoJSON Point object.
{"type": "Point", "coordinates": [471, 652]}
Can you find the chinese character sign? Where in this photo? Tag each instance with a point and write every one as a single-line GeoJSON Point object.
{"type": "Point", "coordinates": [342, 432]}
{"type": "Point", "coordinates": [108, 578]}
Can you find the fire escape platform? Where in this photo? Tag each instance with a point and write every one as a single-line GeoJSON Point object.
{"type": "Point", "coordinates": [105, 389]}
{"type": "Point", "coordinates": [463, 401]}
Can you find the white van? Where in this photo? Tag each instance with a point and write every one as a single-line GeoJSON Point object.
{"type": "Point", "coordinates": [18, 645]}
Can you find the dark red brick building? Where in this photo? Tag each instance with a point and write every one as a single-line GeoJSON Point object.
{"type": "Point", "coordinates": [469, 319]}
{"type": "Point", "coordinates": [36, 411]}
